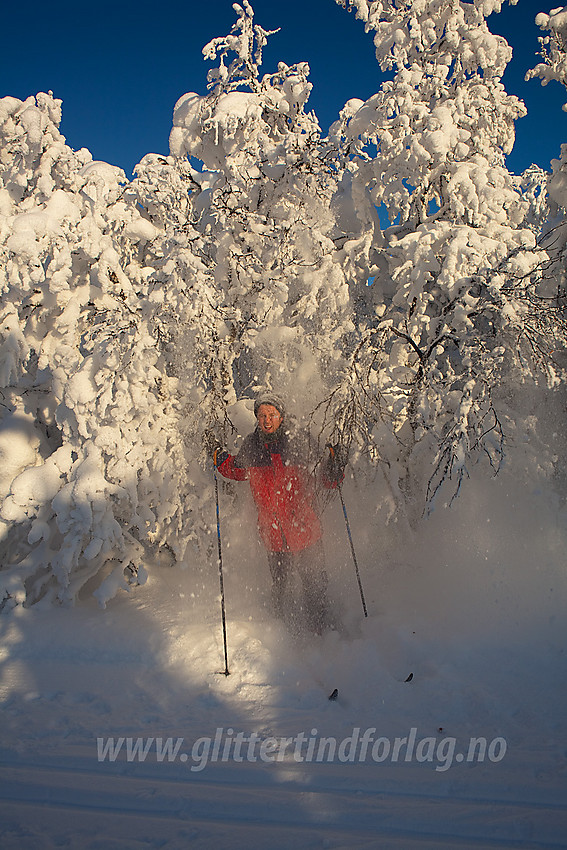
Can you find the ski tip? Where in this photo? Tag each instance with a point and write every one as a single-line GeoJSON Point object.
{"type": "Point", "coordinates": [333, 696]}
{"type": "Point", "coordinates": [409, 678]}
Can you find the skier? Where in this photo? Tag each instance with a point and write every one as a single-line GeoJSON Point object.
{"type": "Point", "coordinates": [275, 464]}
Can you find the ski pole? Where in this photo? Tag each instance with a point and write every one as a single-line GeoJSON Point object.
{"type": "Point", "coordinates": [352, 550]}
{"type": "Point", "coordinates": [226, 671]}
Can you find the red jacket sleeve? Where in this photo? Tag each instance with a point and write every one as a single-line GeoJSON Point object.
{"type": "Point", "coordinates": [228, 470]}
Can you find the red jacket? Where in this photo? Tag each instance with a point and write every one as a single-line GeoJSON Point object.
{"type": "Point", "coordinates": [282, 489]}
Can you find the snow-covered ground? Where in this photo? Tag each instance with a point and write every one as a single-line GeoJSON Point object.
{"type": "Point", "coordinates": [473, 606]}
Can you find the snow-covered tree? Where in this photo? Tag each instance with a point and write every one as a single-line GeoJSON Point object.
{"type": "Point", "coordinates": [460, 304]}
{"type": "Point", "coordinates": [553, 48]}
{"type": "Point", "coordinates": [278, 300]}
{"type": "Point", "coordinates": [78, 359]}
{"type": "Point", "coordinates": [553, 67]}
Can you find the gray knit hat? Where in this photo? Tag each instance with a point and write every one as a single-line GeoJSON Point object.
{"type": "Point", "coordinates": [269, 398]}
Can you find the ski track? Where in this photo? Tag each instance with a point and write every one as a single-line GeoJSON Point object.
{"type": "Point", "coordinates": [146, 810]}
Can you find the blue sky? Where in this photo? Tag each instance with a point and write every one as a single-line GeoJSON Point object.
{"type": "Point", "coordinates": [120, 66]}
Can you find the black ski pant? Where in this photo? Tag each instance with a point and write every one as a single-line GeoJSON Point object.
{"type": "Point", "coordinates": [310, 566]}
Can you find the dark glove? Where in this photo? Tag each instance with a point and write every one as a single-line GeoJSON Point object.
{"type": "Point", "coordinates": [219, 456]}
{"type": "Point", "coordinates": [336, 463]}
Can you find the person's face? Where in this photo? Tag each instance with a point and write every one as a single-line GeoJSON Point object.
{"type": "Point", "coordinates": [269, 418]}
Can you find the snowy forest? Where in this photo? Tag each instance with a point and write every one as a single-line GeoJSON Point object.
{"type": "Point", "coordinates": [392, 280]}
